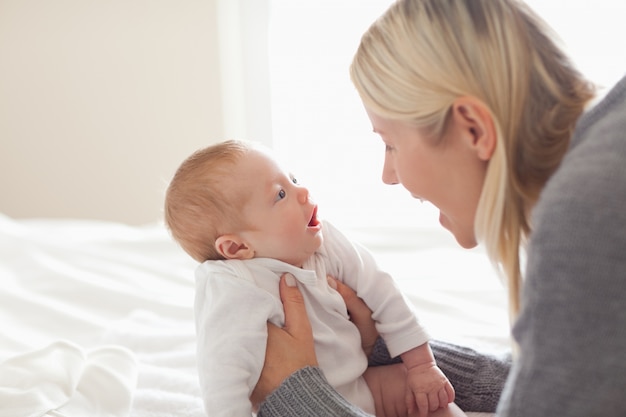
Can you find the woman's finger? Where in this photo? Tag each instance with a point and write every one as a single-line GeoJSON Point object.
{"type": "Point", "coordinates": [297, 322]}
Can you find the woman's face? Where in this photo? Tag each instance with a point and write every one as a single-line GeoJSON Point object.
{"type": "Point", "coordinates": [447, 172]}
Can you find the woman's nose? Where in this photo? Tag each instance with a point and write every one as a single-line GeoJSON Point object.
{"type": "Point", "coordinates": [389, 174]}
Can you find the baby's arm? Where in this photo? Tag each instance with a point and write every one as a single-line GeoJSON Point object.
{"type": "Point", "coordinates": [427, 387]}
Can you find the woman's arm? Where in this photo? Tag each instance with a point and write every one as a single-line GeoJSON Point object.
{"type": "Point", "coordinates": [307, 393]}
{"type": "Point", "coordinates": [291, 384]}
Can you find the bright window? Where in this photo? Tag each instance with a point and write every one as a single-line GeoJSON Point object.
{"type": "Point", "coordinates": [318, 122]}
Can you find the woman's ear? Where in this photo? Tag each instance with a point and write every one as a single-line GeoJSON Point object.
{"type": "Point", "coordinates": [475, 118]}
{"type": "Point", "coordinates": [233, 247]}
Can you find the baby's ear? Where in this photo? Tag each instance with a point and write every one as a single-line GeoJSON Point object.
{"type": "Point", "coordinates": [233, 247]}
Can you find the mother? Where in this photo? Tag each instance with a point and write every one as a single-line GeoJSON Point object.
{"type": "Point", "coordinates": [485, 117]}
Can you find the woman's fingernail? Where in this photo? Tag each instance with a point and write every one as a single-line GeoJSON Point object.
{"type": "Point", "coordinates": [290, 280]}
{"type": "Point", "coordinates": [332, 283]}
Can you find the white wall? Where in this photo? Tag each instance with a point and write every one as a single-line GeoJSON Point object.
{"type": "Point", "coordinates": [101, 100]}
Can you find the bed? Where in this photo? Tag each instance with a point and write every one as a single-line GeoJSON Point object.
{"type": "Point", "coordinates": [97, 317]}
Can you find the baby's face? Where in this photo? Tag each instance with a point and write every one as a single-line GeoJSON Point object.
{"type": "Point", "coordinates": [281, 219]}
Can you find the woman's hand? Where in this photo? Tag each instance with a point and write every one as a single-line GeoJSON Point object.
{"type": "Point", "coordinates": [288, 349]}
{"type": "Point", "coordinates": [360, 314]}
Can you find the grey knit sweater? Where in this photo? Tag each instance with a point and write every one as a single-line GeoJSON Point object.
{"type": "Point", "coordinates": [572, 327]}
{"type": "Point", "coordinates": [478, 380]}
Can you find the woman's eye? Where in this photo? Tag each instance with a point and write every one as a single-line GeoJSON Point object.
{"type": "Point", "coordinates": [388, 148]}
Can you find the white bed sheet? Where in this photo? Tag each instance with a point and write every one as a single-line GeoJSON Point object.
{"type": "Point", "coordinates": [96, 284]}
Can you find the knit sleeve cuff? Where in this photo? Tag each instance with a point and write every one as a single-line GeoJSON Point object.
{"type": "Point", "coordinates": [307, 393]}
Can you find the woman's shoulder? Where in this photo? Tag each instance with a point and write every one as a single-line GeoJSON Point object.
{"type": "Point", "coordinates": [581, 206]}
{"type": "Point", "coordinates": [592, 174]}
{"type": "Point", "coordinates": [604, 121]}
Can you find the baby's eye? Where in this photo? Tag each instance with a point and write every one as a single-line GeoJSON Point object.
{"type": "Point", "coordinates": [294, 180]}
{"type": "Point", "coordinates": [388, 148]}
{"type": "Point", "coordinates": [281, 194]}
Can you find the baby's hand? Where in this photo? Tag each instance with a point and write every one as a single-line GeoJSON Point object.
{"type": "Point", "coordinates": [427, 389]}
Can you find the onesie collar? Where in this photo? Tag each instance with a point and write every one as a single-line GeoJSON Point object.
{"type": "Point", "coordinates": [304, 276]}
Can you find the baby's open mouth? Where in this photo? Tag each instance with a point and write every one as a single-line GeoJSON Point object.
{"type": "Point", "coordinates": [314, 222]}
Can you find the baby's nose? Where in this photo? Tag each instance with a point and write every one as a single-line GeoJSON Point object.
{"type": "Point", "coordinates": [303, 195]}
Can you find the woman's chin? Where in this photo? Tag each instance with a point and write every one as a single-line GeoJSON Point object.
{"type": "Point", "coordinates": [466, 244]}
{"type": "Point", "coordinates": [465, 240]}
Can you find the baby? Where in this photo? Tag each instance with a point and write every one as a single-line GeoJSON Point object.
{"type": "Point", "coordinates": [248, 221]}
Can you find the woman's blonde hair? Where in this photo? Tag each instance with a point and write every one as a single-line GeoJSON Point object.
{"type": "Point", "coordinates": [198, 206]}
{"type": "Point", "coordinates": [422, 55]}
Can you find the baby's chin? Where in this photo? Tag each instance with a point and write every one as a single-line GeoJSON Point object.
{"type": "Point", "coordinates": [307, 254]}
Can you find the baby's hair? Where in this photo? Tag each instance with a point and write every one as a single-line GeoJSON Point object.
{"type": "Point", "coordinates": [198, 208]}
